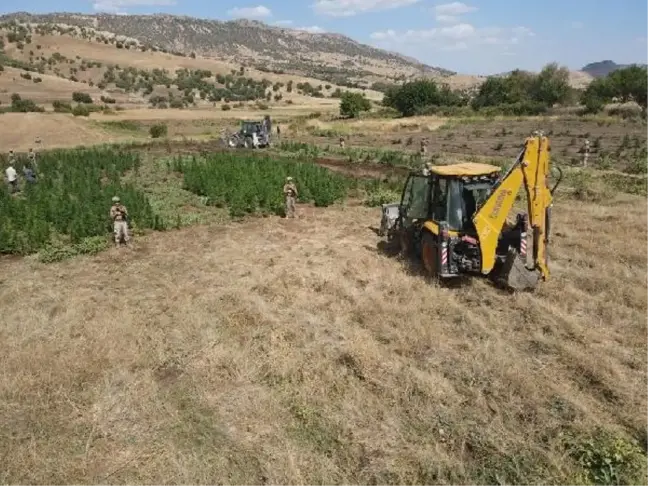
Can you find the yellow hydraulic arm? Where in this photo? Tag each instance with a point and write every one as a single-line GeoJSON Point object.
{"type": "Point", "coordinates": [530, 169]}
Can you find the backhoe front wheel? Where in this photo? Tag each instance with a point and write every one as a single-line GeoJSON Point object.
{"type": "Point", "coordinates": [430, 255]}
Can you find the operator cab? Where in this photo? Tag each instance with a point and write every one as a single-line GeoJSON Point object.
{"type": "Point", "coordinates": [250, 127]}
{"type": "Point", "coordinates": [449, 194]}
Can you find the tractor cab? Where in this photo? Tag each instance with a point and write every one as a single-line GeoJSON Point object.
{"type": "Point", "coordinates": [448, 197]}
{"type": "Point", "coordinates": [253, 134]}
{"type": "Point", "coordinates": [250, 127]}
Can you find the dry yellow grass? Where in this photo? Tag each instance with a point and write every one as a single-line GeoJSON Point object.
{"type": "Point", "coordinates": [58, 130]}
{"type": "Point", "coordinates": [50, 89]}
{"type": "Point", "coordinates": [414, 123]}
{"type": "Point", "coordinates": [249, 112]}
{"type": "Point", "coordinates": [294, 352]}
{"type": "Point", "coordinates": [20, 130]}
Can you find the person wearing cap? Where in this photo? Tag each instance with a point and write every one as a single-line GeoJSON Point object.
{"type": "Point", "coordinates": [290, 195]}
{"type": "Point", "coordinates": [119, 215]}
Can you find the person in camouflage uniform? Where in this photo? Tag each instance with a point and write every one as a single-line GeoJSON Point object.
{"type": "Point", "coordinates": [119, 215]}
{"type": "Point", "coordinates": [290, 195]}
{"type": "Point", "coordinates": [424, 144]}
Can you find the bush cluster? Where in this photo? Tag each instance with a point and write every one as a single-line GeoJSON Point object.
{"type": "Point", "coordinates": [519, 93]}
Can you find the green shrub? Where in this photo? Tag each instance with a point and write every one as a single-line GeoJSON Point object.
{"type": "Point", "coordinates": [352, 104]}
{"type": "Point", "coordinates": [607, 458]}
{"type": "Point", "coordinates": [81, 110]}
{"type": "Point", "coordinates": [158, 130]}
{"type": "Point", "coordinates": [80, 97]}
{"type": "Point", "coordinates": [226, 107]}
{"type": "Point", "coordinates": [62, 107]}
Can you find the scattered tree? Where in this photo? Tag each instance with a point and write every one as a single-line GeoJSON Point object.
{"type": "Point", "coordinates": [352, 104]}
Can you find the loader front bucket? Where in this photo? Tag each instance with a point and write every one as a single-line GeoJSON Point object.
{"type": "Point", "coordinates": [514, 275]}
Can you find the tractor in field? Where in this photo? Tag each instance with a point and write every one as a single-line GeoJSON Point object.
{"type": "Point", "coordinates": [253, 134]}
{"type": "Point", "coordinates": [454, 219]}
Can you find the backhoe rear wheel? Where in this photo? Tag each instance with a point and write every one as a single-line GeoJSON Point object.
{"type": "Point", "coordinates": [430, 254]}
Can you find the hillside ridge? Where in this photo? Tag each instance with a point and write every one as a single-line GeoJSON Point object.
{"type": "Point", "coordinates": [600, 69]}
{"type": "Point", "coordinates": [251, 42]}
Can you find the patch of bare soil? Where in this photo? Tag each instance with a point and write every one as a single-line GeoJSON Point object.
{"type": "Point", "coordinates": [20, 130]}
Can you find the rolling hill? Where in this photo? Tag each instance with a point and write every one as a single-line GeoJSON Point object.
{"type": "Point", "coordinates": [327, 56]}
{"type": "Point", "coordinates": [603, 68]}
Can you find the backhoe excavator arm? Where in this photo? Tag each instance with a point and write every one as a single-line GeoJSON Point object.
{"type": "Point", "coordinates": [531, 170]}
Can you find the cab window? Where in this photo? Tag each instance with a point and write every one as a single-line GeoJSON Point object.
{"type": "Point", "coordinates": [416, 197]}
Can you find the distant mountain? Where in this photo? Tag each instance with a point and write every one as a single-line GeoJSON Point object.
{"type": "Point", "coordinates": [321, 55]}
{"type": "Point", "coordinates": [603, 68]}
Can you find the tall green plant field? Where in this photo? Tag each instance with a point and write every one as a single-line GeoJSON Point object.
{"type": "Point", "coordinates": [249, 184]}
{"type": "Point", "coordinates": [71, 200]}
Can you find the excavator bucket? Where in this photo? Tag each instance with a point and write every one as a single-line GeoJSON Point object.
{"type": "Point", "coordinates": [514, 274]}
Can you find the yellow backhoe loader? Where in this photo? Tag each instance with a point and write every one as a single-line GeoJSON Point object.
{"type": "Point", "coordinates": [454, 218]}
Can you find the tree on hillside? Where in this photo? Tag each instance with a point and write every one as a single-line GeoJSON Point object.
{"type": "Point", "coordinates": [597, 94]}
{"type": "Point", "coordinates": [352, 104]}
{"type": "Point", "coordinates": [518, 86]}
{"type": "Point", "coordinates": [492, 92]}
{"type": "Point", "coordinates": [521, 92]}
{"type": "Point", "coordinates": [626, 84]}
{"type": "Point", "coordinates": [630, 84]}
{"type": "Point", "coordinates": [551, 86]}
{"type": "Point", "coordinates": [412, 96]}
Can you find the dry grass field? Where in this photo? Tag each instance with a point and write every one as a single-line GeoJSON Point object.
{"type": "Point", "coordinates": [51, 88]}
{"type": "Point", "coordinates": [19, 131]}
{"type": "Point", "coordinates": [272, 351]}
{"type": "Point", "coordinates": [295, 351]}
{"type": "Point", "coordinates": [59, 130]}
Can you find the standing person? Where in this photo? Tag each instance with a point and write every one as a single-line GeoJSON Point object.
{"type": "Point", "coordinates": [427, 168]}
{"type": "Point", "coordinates": [341, 142]}
{"type": "Point", "coordinates": [290, 195]}
{"type": "Point", "coordinates": [29, 174]}
{"type": "Point", "coordinates": [119, 215]}
{"type": "Point", "coordinates": [12, 177]}
{"type": "Point", "coordinates": [586, 152]}
{"type": "Point", "coordinates": [278, 131]}
{"type": "Point", "coordinates": [32, 158]}
{"type": "Point", "coordinates": [424, 144]}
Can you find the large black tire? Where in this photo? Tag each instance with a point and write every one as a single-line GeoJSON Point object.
{"type": "Point", "coordinates": [430, 254]}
